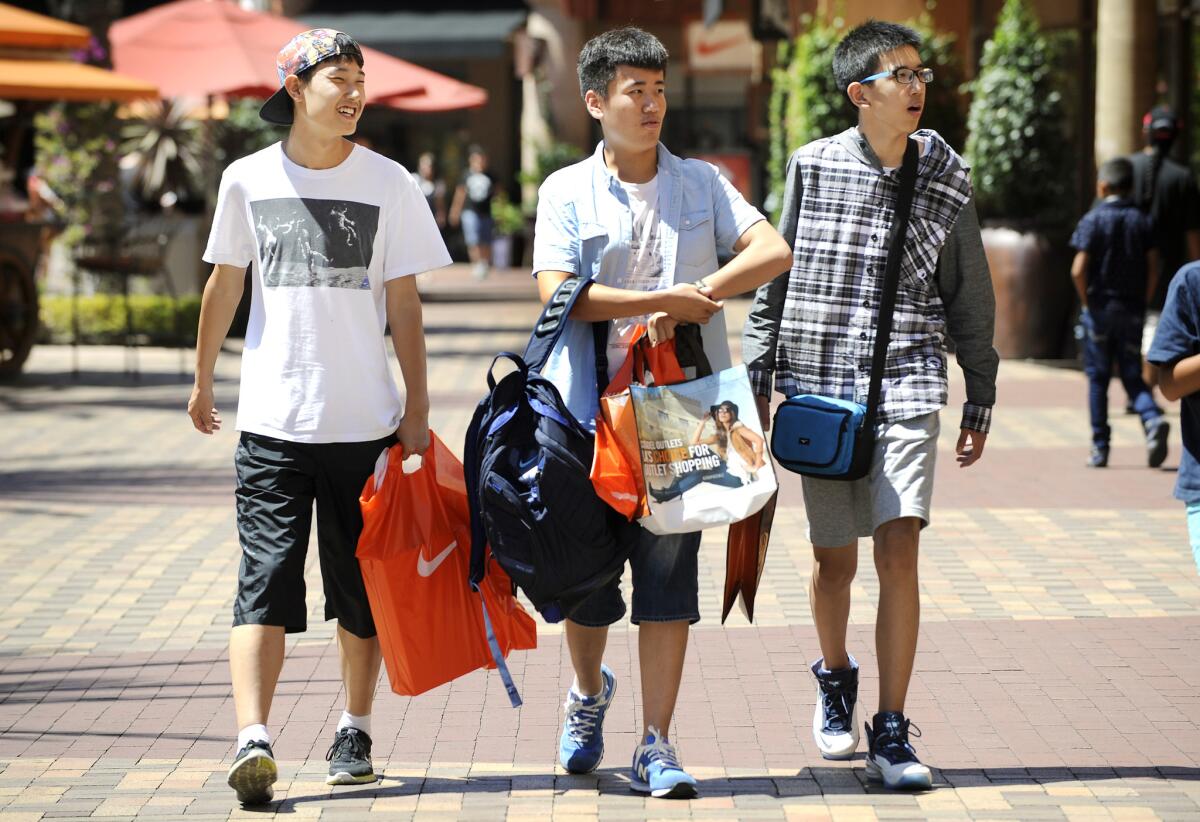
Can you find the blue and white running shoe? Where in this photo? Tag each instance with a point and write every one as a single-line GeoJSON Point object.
{"type": "Point", "coordinates": [581, 746]}
{"type": "Point", "coordinates": [656, 769]}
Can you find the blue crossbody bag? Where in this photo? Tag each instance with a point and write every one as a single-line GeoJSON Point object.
{"type": "Point", "coordinates": [832, 438]}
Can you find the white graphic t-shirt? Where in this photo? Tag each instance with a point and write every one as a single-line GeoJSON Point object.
{"type": "Point", "coordinates": [645, 271]}
{"type": "Point", "coordinates": [322, 243]}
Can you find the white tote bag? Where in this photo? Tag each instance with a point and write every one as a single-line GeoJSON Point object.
{"type": "Point", "coordinates": [704, 458]}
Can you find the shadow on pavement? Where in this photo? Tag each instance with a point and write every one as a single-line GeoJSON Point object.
{"type": "Point", "coordinates": [99, 379]}
{"type": "Point", "coordinates": [132, 485]}
{"type": "Point", "coordinates": [814, 782]}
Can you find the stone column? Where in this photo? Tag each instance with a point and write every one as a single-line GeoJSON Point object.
{"type": "Point", "coordinates": [1125, 74]}
{"type": "Point", "coordinates": [551, 108]}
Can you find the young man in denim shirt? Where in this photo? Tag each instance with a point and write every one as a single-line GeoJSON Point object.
{"type": "Point", "coordinates": [645, 227]}
{"type": "Point", "coordinates": [813, 331]}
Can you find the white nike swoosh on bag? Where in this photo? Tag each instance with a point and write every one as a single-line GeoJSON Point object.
{"type": "Point", "coordinates": [623, 496]}
{"type": "Point", "coordinates": [427, 567]}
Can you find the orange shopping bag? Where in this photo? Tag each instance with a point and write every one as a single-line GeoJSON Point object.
{"type": "Point", "coordinates": [415, 557]}
{"type": "Point", "coordinates": [617, 461]}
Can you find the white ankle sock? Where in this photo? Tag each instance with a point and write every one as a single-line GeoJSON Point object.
{"type": "Point", "coordinates": [349, 720]}
{"type": "Point", "coordinates": [256, 733]}
{"type": "Point", "coordinates": [575, 687]}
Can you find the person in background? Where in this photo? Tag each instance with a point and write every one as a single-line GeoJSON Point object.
{"type": "Point", "coordinates": [1167, 191]}
{"type": "Point", "coordinates": [432, 187]}
{"type": "Point", "coordinates": [472, 209]}
{"type": "Point", "coordinates": [1114, 274]}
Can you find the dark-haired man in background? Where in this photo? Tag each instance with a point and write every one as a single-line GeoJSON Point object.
{"type": "Point", "coordinates": [1167, 191]}
{"type": "Point", "coordinates": [1114, 274]}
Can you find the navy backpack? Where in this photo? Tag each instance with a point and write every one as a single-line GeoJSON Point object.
{"type": "Point", "coordinates": [527, 462]}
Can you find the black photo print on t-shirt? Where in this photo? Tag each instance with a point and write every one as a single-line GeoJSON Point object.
{"type": "Point", "coordinates": [305, 243]}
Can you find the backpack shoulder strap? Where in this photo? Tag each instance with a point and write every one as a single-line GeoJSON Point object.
{"type": "Point", "coordinates": [552, 322]}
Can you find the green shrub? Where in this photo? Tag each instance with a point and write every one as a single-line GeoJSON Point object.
{"type": "Point", "coordinates": [805, 101]}
{"type": "Point", "coordinates": [102, 319]}
{"type": "Point", "coordinates": [945, 98]}
{"type": "Point", "coordinates": [76, 155]}
{"type": "Point", "coordinates": [1195, 102]}
{"type": "Point", "coordinates": [507, 216]}
{"type": "Point", "coordinates": [1017, 149]}
{"type": "Point", "coordinates": [550, 158]}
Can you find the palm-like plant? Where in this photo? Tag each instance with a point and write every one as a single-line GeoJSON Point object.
{"type": "Point", "coordinates": [165, 148]}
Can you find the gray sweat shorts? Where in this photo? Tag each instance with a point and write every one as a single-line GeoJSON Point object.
{"type": "Point", "coordinates": [900, 485]}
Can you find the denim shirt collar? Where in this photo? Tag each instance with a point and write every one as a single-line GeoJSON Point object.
{"type": "Point", "coordinates": [670, 200]}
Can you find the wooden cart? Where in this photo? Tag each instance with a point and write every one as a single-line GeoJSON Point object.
{"type": "Point", "coordinates": [20, 247]}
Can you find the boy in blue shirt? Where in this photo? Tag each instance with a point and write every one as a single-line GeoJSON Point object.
{"type": "Point", "coordinates": [1176, 352]}
{"type": "Point", "coordinates": [1115, 276]}
{"type": "Point", "coordinates": [645, 228]}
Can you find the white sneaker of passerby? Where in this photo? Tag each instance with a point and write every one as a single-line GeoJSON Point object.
{"type": "Point", "coordinates": [835, 717]}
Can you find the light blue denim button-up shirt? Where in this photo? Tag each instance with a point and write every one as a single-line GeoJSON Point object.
{"type": "Point", "coordinates": [585, 227]}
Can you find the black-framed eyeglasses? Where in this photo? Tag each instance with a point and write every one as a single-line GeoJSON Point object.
{"type": "Point", "coordinates": [904, 76]}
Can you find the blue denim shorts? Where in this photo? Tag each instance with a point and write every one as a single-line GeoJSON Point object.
{"type": "Point", "coordinates": [476, 227]}
{"type": "Point", "coordinates": [665, 584]}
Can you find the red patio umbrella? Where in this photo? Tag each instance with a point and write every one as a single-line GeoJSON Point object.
{"type": "Point", "coordinates": [197, 48]}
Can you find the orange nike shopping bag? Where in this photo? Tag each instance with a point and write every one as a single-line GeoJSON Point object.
{"type": "Point", "coordinates": [415, 556]}
{"type": "Point", "coordinates": [617, 461]}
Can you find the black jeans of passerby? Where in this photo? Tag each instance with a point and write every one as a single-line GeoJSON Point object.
{"type": "Point", "coordinates": [1113, 336]}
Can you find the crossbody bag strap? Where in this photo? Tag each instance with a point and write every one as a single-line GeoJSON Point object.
{"type": "Point", "coordinates": [891, 278]}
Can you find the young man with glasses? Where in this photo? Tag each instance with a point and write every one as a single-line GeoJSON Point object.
{"type": "Point", "coordinates": [812, 331]}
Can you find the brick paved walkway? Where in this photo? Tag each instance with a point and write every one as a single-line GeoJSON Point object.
{"type": "Point", "coordinates": [1057, 673]}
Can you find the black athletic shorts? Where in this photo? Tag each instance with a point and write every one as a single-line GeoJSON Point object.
{"type": "Point", "coordinates": [278, 481]}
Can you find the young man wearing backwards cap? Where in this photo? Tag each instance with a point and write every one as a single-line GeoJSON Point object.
{"type": "Point", "coordinates": [334, 231]}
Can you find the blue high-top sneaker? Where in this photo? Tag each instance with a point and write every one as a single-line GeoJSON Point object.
{"type": "Point", "coordinates": [656, 769]}
{"type": "Point", "coordinates": [581, 746]}
{"type": "Point", "coordinates": [890, 758]}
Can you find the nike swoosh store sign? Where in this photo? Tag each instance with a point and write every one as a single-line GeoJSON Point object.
{"type": "Point", "coordinates": [727, 45]}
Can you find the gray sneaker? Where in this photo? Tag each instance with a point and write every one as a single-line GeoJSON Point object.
{"type": "Point", "coordinates": [350, 758]}
{"type": "Point", "coordinates": [1157, 432]}
{"type": "Point", "coordinates": [252, 773]}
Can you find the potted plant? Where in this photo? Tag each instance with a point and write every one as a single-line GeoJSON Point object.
{"type": "Point", "coordinates": [1018, 152]}
{"type": "Point", "coordinates": [163, 149]}
{"type": "Point", "coordinates": [509, 227]}
{"type": "Point", "coordinates": [549, 158]}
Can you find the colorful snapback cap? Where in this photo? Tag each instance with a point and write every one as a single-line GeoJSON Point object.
{"type": "Point", "coordinates": [303, 52]}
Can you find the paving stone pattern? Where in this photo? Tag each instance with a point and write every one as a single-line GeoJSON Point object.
{"type": "Point", "coordinates": [1057, 675]}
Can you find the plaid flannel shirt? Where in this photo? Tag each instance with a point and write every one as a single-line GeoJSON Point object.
{"type": "Point", "coordinates": [812, 330]}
